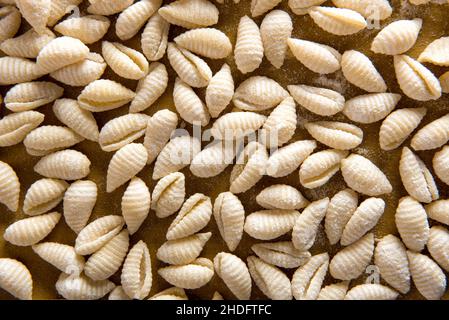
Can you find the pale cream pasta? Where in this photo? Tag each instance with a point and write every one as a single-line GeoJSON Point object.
{"type": "Point", "coordinates": [78, 203]}
{"type": "Point", "coordinates": [16, 279]}
{"type": "Point", "coordinates": [135, 205]}
{"type": "Point", "coordinates": [43, 195]}
{"type": "Point", "coordinates": [9, 187]}
{"type": "Point", "coordinates": [15, 127]}
{"type": "Point", "coordinates": [184, 250]}
{"type": "Point", "coordinates": [189, 276]}
{"type": "Point", "coordinates": [190, 14]}
{"type": "Point", "coordinates": [308, 279]}
{"type": "Point", "coordinates": [249, 50]}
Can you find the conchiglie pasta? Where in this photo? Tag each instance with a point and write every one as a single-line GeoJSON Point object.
{"type": "Point", "coordinates": [207, 42]}
{"type": "Point", "coordinates": [335, 291]}
{"type": "Point", "coordinates": [78, 203]}
{"type": "Point", "coordinates": [371, 291]}
{"type": "Point", "coordinates": [137, 277]}
{"type": "Point", "coordinates": [168, 194]}
{"type": "Point", "coordinates": [82, 287]}
{"type": "Point", "coordinates": [184, 250]}
{"type": "Point", "coordinates": [136, 202]}
{"type": "Point", "coordinates": [104, 95]}
{"type": "Point", "coordinates": [107, 7]}
{"type": "Point", "coordinates": [397, 37]}
{"type": "Point", "coordinates": [36, 13]}
{"type": "Point", "coordinates": [438, 246]}
{"type": "Point", "coordinates": [18, 70]}
{"type": "Point", "coordinates": [189, 105]}
{"type": "Point", "coordinates": [190, 14]}
{"type": "Point", "coordinates": [259, 7]}
{"type": "Point", "coordinates": [10, 22]}
{"type": "Point", "coordinates": [27, 45]}
{"type": "Point", "coordinates": [236, 125]}
{"type": "Point", "coordinates": [190, 276]}
{"type": "Point", "coordinates": [234, 273]}
{"type": "Point", "coordinates": [308, 279]}
{"type": "Point", "coordinates": [43, 195]}
{"type": "Point", "coordinates": [88, 29]}
{"type": "Point", "coordinates": [433, 135]}
{"type": "Point", "coordinates": [370, 108]}
{"type": "Point", "coordinates": [60, 8]}
{"type": "Point", "coordinates": [322, 101]}
{"type": "Point", "coordinates": [370, 9]}
{"type": "Point", "coordinates": [281, 196]}
{"type": "Point", "coordinates": [270, 224]}
{"type": "Point", "coordinates": [436, 52]}
{"type": "Point", "coordinates": [441, 165]}
{"type": "Point", "coordinates": [65, 165]}
{"type": "Point", "coordinates": [213, 159]}
{"type": "Point", "coordinates": [172, 293]}
{"type": "Point", "coordinates": [15, 127]}
{"type": "Point", "coordinates": [281, 254]}
{"type": "Point", "coordinates": [16, 279]}
{"type": "Point", "coordinates": [248, 51]}
{"type": "Point", "coordinates": [337, 21]}
{"type": "Point", "coordinates": [9, 187]}
{"type": "Point", "coordinates": [301, 7]}
{"type": "Point", "coordinates": [337, 135]}
{"type": "Point", "coordinates": [155, 37]}
{"type": "Point", "coordinates": [124, 61]}
{"type": "Point", "coordinates": [438, 211]}
{"type": "Point", "coordinates": [219, 91]}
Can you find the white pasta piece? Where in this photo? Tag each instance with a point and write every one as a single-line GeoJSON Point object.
{"type": "Point", "coordinates": [335, 291]}
{"type": "Point", "coordinates": [370, 9]}
{"type": "Point", "coordinates": [207, 42]}
{"type": "Point", "coordinates": [341, 207]}
{"type": "Point", "coordinates": [104, 95]}
{"type": "Point", "coordinates": [190, 14]}
{"type": "Point", "coordinates": [281, 196]}
{"type": "Point", "coordinates": [190, 276]}
{"type": "Point", "coordinates": [107, 7]}
{"type": "Point", "coordinates": [281, 254]}
{"type": "Point", "coordinates": [337, 135]}
{"type": "Point", "coordinates": [275, 29]}
{"type": "Point", "coordinates": [435, 52]}
{"type": "Point", "coordinates": [349, 263]}
{"type": "Point", "coordinates": [219, 91]}
{"type": "Point", "coordinates": [194, 215]}
{"type": "Point", "coordinates": [88, 29]}
{"type": "Point", "coordinates": [27, 45]}
{"type": "Point", "coordinates": [159, 129]}
{"type": "Point", "coordinates": [412, 224]}
{"type": "Point", "coordinates": [322, 101]}
{"type": "Point", "coordinates": [433, 135]}
{"type": "Point", "coordinates": [184, 250]}
{"type": "Point", "coordinates": [16, 279]}
{"type": "Point", "coordinates": [301, 7]}
{"type": "Point", "coordinates": [31, 95]}
{"type": "Point", "coordinates": [427, 276]}
{"type": "Point", "coordinates": [306, 226]}
{"type": "Point", "coordinates": [168, 194]}
{"type": "Point", "coordinates": [106, 261]}
{"type": "Point", "coordinates": [270, 224]}
{"type": "Point", "coordinates": [234, 273]}
{"type": "Point", "coordinates": [364, 218]}
{"type": "Point", "coordinates": [259, 7]}
{"type": "Point", "coordinates": [189, 105]}
{"type": "Point", "coordinates": [249, 50]}
{"type": "Point", "coordinates": [124, 61]}
{"type": "Point", "coordinates": [29, 231]}
{"type": "Point", "coordinates": [137, 277]}
{"type": "Point", "coordinates": [236, 125]}
{"type": "Point", "coordinates": [172, 293]}
{"type": "Point", "coordinates": [176, 155]}
{"type": "Point", "coordinates": [10, 22]}
{"type": "Point", "coordinates": [150, 88]}
{"type": "Point", "coordinates": [61, 256]}
{"type": "Point", "coordinates": [320, 167]}
{"type": "Point", "coordinates": [397, 37]}
{"type": "Point", "coordinates": [287, 159]}
{"type": "Point", "coordinates": [97, 233]}
{"type": "Point", "coordinates": [59, 8]}
{"type": "Point", "coordinates": [317, 57]}
{"type": "Point", "coordinates": [136, 202]}
{"type": "Point", "coordinates": [118, 294]}
{"type": "Point", "coordinates": [416, 177]}
{"type": "Point", "coordinates": [15, 127]}
{"type": "Point", "coordinates": [398, 125]}
{"type": "Point", "coordinates": [122, 130]}
{"type": "Point", "coordinates": [43, 195]}
{"type": "Point", "coordinates": [217, 296]}
{"type": "Point", "coordinates": [213, 159]}
{"type": "Point", "coordinates": [9, 187]}
{"type": "Point", "coordinates": [36, 13]}
{"type": "Point", "coordinates": [438, 245]}
{"type": "Point", "coordinates": [440, 164]}
{"type": "Point", "coordinates": [390, 256]}
{"type": "Point", "coordinates": [132, 19]}
{"type": "Point", "coordinates": [270, 280]}
{"type": "Point", "coordinates": [230, 218]}
{"type": "Point", "coordinates": [79, 201]}
{"type": "Point", "coordinates": [415, 80]}
{"type": "Point", "coordinates": [438, 211]}
{"type": "Point", "coordinates": [337, 21]}
{"type": "Point", "coordinates": [154, 38]}
{"type": "Point", "coordinates": [363, 176]}
{"type": "Point", "coordinates": [65, 165]}
{"type": "Point", "coordinates": [308, 279]}
{"type": "Point", "coordinates": [18, 70]}
{"type": "Point", "coordinates": [82, 287]}
{"type": "Point", "coordinates": [444, 79]}
{"type": "Point", "coordinates": [371, 291]}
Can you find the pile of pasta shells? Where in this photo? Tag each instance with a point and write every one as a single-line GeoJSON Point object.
{"type": "Point", "coordinates": [108, 190]}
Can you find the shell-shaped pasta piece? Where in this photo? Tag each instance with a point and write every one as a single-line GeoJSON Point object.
{"type": "Point", "coordinates": [415, 80]}
{"type": "Point", "coordinates": [59, 8]}
{"type": "Point", "coordinates": [213, 159]}
{"type": "Point", "coordinates": [189, 105]}
{"type": "Point", "coordinates": [317, 57]}
{"type": "Point", "coordinates": [427, 276]}
{"type": "Point", "coordinates": [281, 254]}
{"type": "Point", "coordinates": [118, 294]}
{"type": "Point", "coordinates": [236, 125]}
{"type": "Point", "coordinates": [301, 7]}
{"type": "Point", "coordinates": [132, 19]}
{"type": "Point", "coordinates": [190, 14]}
{"type": "Point", "coordinates": [29, 231]}
{"type": "Point", "coordinates": [319, 167]}
{"type": "Point", "coordinates": [412, 224]}
{"type": "Point", "coordinates": [79, 201]}
{"type": "Point", "coordinates": [125, 164]}
{"type": "Point", "coordinates": [416, 178]}
{"type": "Point", "coordinates": [275, 29]}
{"type": "Point", "coordinates": [350, 262]}
{"type": "Point", "coordinates": [363, 176]}
{"type": "Point", "coordinates": [88, 29]}
{"type": "Point", "coordinates": [435, 52]}
{"type": "Point", "coordinates": [270, 280]}
{"type": "Point", "coordinates": [168, 194]}
{"type": "Point", "coordinates": [438, 211]}
{"type": "Point", "coordinates": [440, 164]}
{"type": "Point", "coordinates": [306, 226]}
{"type": "Point", "coordinates": [390, 256]}
{"type": "Point", "coordinates": [18, 70]}
{"type": "Point", "coordinates": [16, 279]}
{"type": "Point", "coordinates": [219, 91]}
{"type": "Point", "coordinates": [150, 88]}
{"type": "Point", "coordinates": [31, 95]}
{"type": "Point", "coordinates": [370, 9]}
{"type": "Point", "coordinates": [61, 256]}
{"type": "Point", "coordinates": [65, 165]}
{"type": "Point", "coordinates": [364, 218]}
{"type": "Point", "coordinates": [308, 279]}
{"type": "Point", "coordinates": [159, 129]}
{"type": "Point", "coordinates": [281, 196]}
{"type": "Point", "coordinates": [207, 42]}
{"type": "Point", "coordinates": [230, 218]}
{"type": "Point", "coordinates": [341, 207]}
{"type": "Point", "coordinates": [337, 135]}
{"type": "Point", "coordinates": [36, 13]}
{"type": "Point", "coordinates": [10, 20]}
{"type": "Point", "coordinates": [433, 135]}
{"type": "Point", "coordinates": [122, 130]}
{"type": "Point", "coordinates": [184, 250]}
{"type": "Point", "coordinates": [107, 7]}
{"type": "Point", "coordinates": [82, 287]}
{"type": "Point", "coordinates": [193, 216]}
{"type": "Point", "coordinates": [190, 68]}
{"type": "Point", "coordinates": [15, 127]}
{"type": "Point", "coordinates": [398, 125]}
{"type": "Point", "coordinates": [155, 37]}
{"type": "Point", "coordinates": [189, 276]}
{"type": "Point", "coordinates": [172, 293]}
{"type": "Point", "coordinates": [136, 202]}
{"type": "Point", "coordinates": [438, 245]}
{"type": "Point", "coordinates": [43, 195]}
{"type": "Point", "coordinates": [444, 79]}
{"type": "Point", "coordinates": [270, 224]}
{"type": "Point", "coordinates": [234, 273]}
{"type": "Point", "coordinates": [322, 101]}
{"type": "Point", "coordinates": [97, 233]}
{"type": "Point", "coordinates": [124, 61]}
{"type": "Point", "coordinates": [137, 277]}
{"type": "Point", "coordinates": [103, 95]}
{"type": "Point", "coordinates": [27, 45]}
{"type": "Point", "coordinates": [9, 187]}
{"type": "Point", "coordinates": [337, 21]}
{"type": "Point", "coordinates": [371, 291]}
{"type": "Point", "coordinates": [335, 291]}
{"type": "Point", "coordinates": [248, 51]}
{"type": "Point", "coordinates": [259, 7]}
{"type": "Point", "coordinates": [287, 159]}
{"type": "Point", "coordinates": [106, 261]}
{"type": "Point", "coordinates": [397, 37]}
